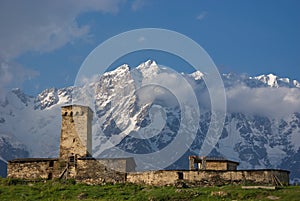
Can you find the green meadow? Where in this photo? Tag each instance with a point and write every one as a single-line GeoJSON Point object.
{"type": "Point", "coordinates": [12, 189]}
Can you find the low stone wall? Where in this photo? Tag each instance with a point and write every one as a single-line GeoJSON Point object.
{"type": "Point", "coordinates": [93, 171]}
{"type": "Point", "coordinates": [210, 177]}
{"type": "Point", "coordinates": [157, 178]}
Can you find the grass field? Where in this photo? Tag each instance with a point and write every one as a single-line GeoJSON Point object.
{"type": "Point", "coordinates": [11, 189]}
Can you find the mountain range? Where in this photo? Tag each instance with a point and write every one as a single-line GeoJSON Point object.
{"type": "Point", "coordinates": [261, 128]}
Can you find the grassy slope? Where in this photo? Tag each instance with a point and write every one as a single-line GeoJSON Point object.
{"type": "Point", "coordinates": [68, 190]}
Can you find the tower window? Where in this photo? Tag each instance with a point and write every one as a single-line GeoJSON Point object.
{"type": "Point", "coordinates": [72, 159]}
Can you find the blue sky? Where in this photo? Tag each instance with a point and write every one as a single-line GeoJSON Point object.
{"type": "Point", "coordinates": [43, 43]}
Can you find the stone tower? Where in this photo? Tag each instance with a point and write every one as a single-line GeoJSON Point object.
{"type": "Point", "coordinates": [76, 132]}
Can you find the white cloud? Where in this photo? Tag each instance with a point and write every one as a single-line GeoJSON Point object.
{"type": "Point", "coordinates": [202, 15]}
{"type": "Point", "coordinates": [12, 75]}
{"type": "Point", "coordinates": [138, 4]}
{"type": "Point", "coordinates": [41, 26]}
{"type": "Point", "coordinates": [169, 86]}
{"type": "Point", "coordinates": [270, 102]}
{"type": "Point", "coordinates": [35, 25]}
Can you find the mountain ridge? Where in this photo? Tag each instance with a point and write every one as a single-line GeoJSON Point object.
{"type": "Point", "coordinates": [255, 140]}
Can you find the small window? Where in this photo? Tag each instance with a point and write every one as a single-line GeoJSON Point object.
{"type": "Point", "coordinates": [50, 175]}
{"type": "Point", "coordinates": [180, 175]}
{"type": "Point", "coordinates": [51, 163]}
{"type": "Point", "coordinates": [72, 159]}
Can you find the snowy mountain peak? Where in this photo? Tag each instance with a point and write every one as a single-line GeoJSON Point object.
{"type": "Point", "coordinates": [120, 71]}
{"type": "Point", "coordinates": [46, 99]}
{"type": "Point", "coordinates": [149, 69]}
{"type": "Point", "coordinates": [272, 80]}
{"type": "Point", "coordinates": [149, 63]}
{"type": "Point", "coordinates": [296, 83]}
{"type": "Point", "coordinates": [197, 75]}
{"type": "Point", "coordinates": [269, 79]}
{"type": "Point", "coordinates": [51, 97]}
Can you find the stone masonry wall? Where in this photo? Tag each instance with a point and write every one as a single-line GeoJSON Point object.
{"type": "Point", "coordinates": [211, 165]}
{"type": "Point", "coordinates": [156, 178]}
{"type": "Point", "coordinates": [89, 171]}
{"type": "Point", "coordinates": [29, 170]}
{"type": "Point", "coordinates": [209, 177]}
{"type": "Point", "coordinates": [243, 177]}
{"type": "Point", "coordinates": [76, 131]}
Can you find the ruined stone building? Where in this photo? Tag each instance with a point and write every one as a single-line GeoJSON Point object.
{"type": "Point", "coordinates": [75, 161]}
{"type": "Point", "coordinates": [204, 163]}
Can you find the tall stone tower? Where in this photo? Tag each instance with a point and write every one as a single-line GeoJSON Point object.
{"type": "Point", "coordinates": [76, 132]}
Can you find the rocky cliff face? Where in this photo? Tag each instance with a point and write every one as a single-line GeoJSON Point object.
{"type": "Point", "coordinates": [261, 130]}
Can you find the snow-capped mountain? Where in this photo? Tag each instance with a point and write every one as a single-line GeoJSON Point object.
{"type": "Point", "coordinates": [269, 80]}
{"type": "Point", "coordinates": [134, 114]}
{"type": "Point", "coordinates": [275, 81]}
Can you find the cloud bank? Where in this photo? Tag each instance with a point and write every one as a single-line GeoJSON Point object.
{"type": "Point", "coordinates": [40, 26]}
{"type": "Point", "coordinates": [12, 75]}
{"type": "Point", "coordinates": [255, 100]}
{"type": "Point", "coordinates": [43, 26]}
{"type": "Point", "coordinates": [271, 102]}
